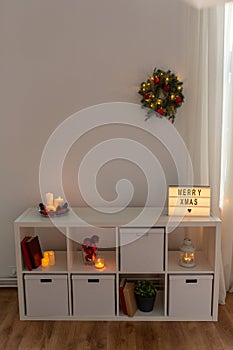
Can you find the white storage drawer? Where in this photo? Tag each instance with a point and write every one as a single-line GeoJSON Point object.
{"type": "Point", "coordinates": [93, 295]}
{"type": "Point", "coordinates": [46, 295]}
{"type": "Point", "coordinates": [141, 250]}
{"type": "Point", "coordinates": [190, 296]}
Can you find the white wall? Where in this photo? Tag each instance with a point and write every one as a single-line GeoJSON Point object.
{"type": "Point", "coordinates": [58, 57]}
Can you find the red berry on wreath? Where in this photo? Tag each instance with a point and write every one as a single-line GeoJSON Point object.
{"type": "Point", "coordinates": [147, 96]}
{"type": "Point", "coordinates": [156, 80]}
{"type": "Point", "coordinates": [178, 99]}
{"type": "Point", "coordinates": [160, 111]}
{"type": "Point", "coordinates": [166, 87]}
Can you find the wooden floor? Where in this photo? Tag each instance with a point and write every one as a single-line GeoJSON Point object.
{"type": "Point", "coordinates": [72, 335]}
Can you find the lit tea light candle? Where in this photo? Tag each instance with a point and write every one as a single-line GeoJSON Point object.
{"type": "Point", "coordinates": [99, 263]}
{"type": "Point", "coordinates": [51, 255]}
{"type": "Point", "coordinates": [46, 255]}
{"type": "Point", "coordinates": [44, 262]}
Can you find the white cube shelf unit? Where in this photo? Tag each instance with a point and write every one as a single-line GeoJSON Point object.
{"type": "Point", "coordinates": [75, 291]}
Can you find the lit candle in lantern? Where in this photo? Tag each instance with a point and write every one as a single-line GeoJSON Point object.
{"type": "Point", "coordinates": [187, 253]}
{"type": "Point", "coordinates": [99, 263]}
{"type": "Point", "coordinates": [51, 255]}
{"type": "Point", "coordinates": [44, 262]}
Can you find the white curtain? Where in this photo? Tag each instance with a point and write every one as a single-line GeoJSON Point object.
{"type": "Point", "coordinates": [226, 199]}
{"type": "Point", "coordinates": [204, 64]}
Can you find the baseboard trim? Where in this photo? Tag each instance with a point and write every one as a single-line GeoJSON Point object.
{"type": "Point", "coordinates": [8, 282]}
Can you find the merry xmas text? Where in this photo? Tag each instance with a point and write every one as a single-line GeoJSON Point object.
{"type": "Point", "coordinates": [189, 192]}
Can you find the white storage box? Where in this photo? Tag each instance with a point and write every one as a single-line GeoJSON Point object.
{"type": "Point", "coordinates": [46, 295]}
{"type": "Point", "coordinates": [190, 296]}
{"type": "Point", "coordinates": [141, 250]}
{"type": "Point", "coordinates": [93, 295]}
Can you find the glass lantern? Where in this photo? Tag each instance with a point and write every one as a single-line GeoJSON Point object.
{"type": "Point", "coordinates": [187, 253]}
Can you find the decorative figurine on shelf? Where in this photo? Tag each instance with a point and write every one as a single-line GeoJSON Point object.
{"type": "Point", "coordinates": [187, 253]}
{"type": "Point", "coordinates": [89, 248]}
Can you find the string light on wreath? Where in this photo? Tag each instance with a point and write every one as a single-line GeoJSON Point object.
{"type": "Point", "coordinates": [162, 93]}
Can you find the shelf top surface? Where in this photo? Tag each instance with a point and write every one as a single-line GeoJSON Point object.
{"type": "Point", "coordinates": [128, 217]}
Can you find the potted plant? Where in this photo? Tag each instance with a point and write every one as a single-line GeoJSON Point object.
{"type": "Point", "coordinates": [145, 293]}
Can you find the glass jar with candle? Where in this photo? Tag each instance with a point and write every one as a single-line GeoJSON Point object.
{"type": "Point", "coordinates": [99, 262]}
{"type": "Point", "coordinates": [187, 253]}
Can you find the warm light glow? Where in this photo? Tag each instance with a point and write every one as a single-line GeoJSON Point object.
{"type": "Point", "coordinates": [50, 208]}
{"type": "Point", "coordinates": [189, 201]}
{"type": "Point", "coordinates": [51, 255]}
{"type": "Point", "coordinates": [188, 258]}
{"type": "Point", "coordinates": [99, 263]}
{"type": "Point", "coordinates": [58, 201]}
{"type": "Point", "coordinates": [52, 204]}
{"type": "Point", "coordinates": [187, 211]}
{"type": "Point", "coordinates": [46, 255]}
{"type": "Point", "coordinates": [187, 253]}
{"type": "Point", "coordinates": [189, 191]}
{"type": "Point", "coordinates": [44, 262]}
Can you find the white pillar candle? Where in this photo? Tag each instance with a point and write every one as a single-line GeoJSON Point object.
{"type": "Point", "coordinates": [51, 257]}
{"type": "Point", "coordinates": [49, 199]}
{"type": "Point", "coordinates": [58, 201]}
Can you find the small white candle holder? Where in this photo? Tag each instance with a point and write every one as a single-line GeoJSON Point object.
{"type": "Point", "coordinates": [187, 254]}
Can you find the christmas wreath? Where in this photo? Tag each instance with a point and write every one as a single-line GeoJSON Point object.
{"type": "Point", "coordinates": [162, 93]}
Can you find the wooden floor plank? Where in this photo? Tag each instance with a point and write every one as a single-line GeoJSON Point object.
{"type": "Point", "coordinates": [102, 335]}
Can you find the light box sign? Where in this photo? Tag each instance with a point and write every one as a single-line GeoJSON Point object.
{"type": "Point", "coordinates": [189, 201]}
